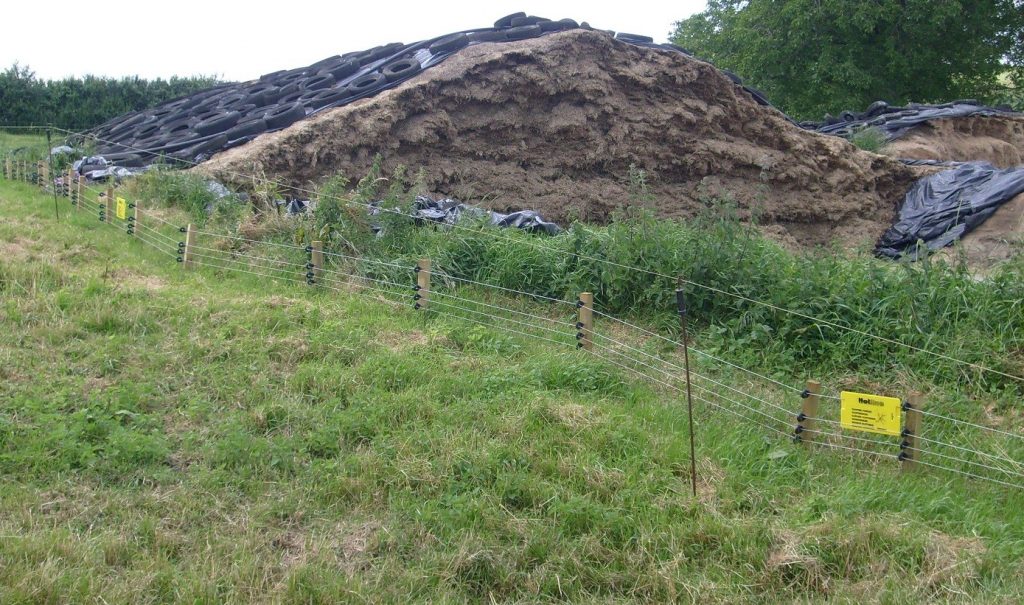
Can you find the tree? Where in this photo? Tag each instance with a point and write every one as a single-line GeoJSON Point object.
{"type": "Point", "coordinates": [81, 103]}
{"type": "Point", "coordinates": [817, 56]}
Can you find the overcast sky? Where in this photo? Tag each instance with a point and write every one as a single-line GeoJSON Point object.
{"type": "Point", "coordinates": [242, 40]}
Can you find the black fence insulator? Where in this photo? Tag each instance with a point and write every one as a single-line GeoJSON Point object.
{"type": "Point", "coordinates": [181, 244]}
{"type": "Point", "coordinates": [310, 281]}
{"type": "Point", "coordinates": [131, 231]}
{"type": "Point", "coordinates": [182, 230]}
{"type": "Point", "coordinates": [801, 417]}
{"type": "Point", "coordinates": [799, 429]}
{"type": "Point", "coordinates": [131, 205]}
{"type": "Point", "coordinates": [417, 269]}
{"type": "Point", "coordinates": [904, 444]}
{"type": "Point", "coordinates": [805, 394]}
{"type": "Point", "coordinates": [309, 249]}
{"type": "Point", "coordinates": [579, 345]}
{"type": "Point", "coordinates": [903, 456]}
{"type": "Point", "coordinates": [579, 325]}
{"type": "Point", "coordinates": [416, 306]}
{"type": "Point", "coordinates": [417, 297]}
{"type": "Point", "coordinates": [181, 260]}
{"type": "Point", "coordinates": [309, 275]}
{"type": "Point", "coordinates": [906, 433]}
{"type": "Point", "coordinates": [131, 219]}
{"type": "Point", "coordinates": [579, 304]}
{"type": "Point", "coordinates": [309, 265]}
{"type": "Point", "coordinates": [579, 335]}
{"type": "Point", "coordinates": [906, 407]}
{"type": "Point", "coordinates": [416, 288]}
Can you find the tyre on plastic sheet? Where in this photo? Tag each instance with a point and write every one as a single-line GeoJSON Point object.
{"type": "Point", "coordinates": [523, 33]}
{"type": "Point", "coordinates": [218, 123]}
{"type": "Point", "coordinates": [557, 26]}
{"type": "Point", "coordinates": [529, 20]}
{"type": "Point", "coordinates": [634, 38]}
{"type": "Point", "coordinates": [488, 36]}
{"type": "Point", "coordinates": [285, 115]}
{"type": "Point", "coordinates": [449, 44]}
{"type": "Point", "coordinates": [400, 69]}
{"type": "Point", "coordinates": [343, 70]}
{"type": "Point", "coordinates": [366, 83]}
{"type": "Point", "coordinates": [318, 82]}
{"type": "Point", "coordinates": [250, 127]}
{"type": "Point", "coordinates": [506, 21]}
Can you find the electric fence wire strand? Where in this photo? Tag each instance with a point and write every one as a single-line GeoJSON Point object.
{"type": "Point", "coordinates": [692, 372]}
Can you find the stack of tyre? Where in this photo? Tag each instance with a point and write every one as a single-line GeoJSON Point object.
{"type": "Point", "coordinates": [192, 128]}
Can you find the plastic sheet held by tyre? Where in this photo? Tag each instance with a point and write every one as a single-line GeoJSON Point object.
{"type": "Point", "coordinates": [895, 121]}
{"type": "Point", "coordinates": [940, 208]}
{"type": "Point", "coordinates": [449, 212]}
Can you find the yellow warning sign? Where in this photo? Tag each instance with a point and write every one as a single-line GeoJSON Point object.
{"type": "Point", "coordinates": [870, 413]}
{"type": "Point", "coordinates": [122, 208]}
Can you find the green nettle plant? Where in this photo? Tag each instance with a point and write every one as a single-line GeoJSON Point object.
{"type": "Point", "coordinates": [869, 139]}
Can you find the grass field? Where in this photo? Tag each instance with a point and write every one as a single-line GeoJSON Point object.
{"type": "Point", "coordinates": [202, 437]}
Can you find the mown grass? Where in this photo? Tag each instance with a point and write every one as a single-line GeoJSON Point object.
{"type": "Point", "coordinates": [206, 436]}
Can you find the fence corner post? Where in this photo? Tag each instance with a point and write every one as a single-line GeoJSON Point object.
{"type": "Point", "coordinates": [186, 254]}
{"type": "Point", "coordinates": [910, 452]}
{"type": "Point", "coordinates": [422, 295]}
{"type": "Point", "coordinates": [585, 321]}
{"type": "Point", "coordinates": [806, 420]}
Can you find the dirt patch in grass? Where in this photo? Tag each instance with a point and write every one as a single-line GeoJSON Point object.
{"type": "Point", "coordinates": [15, 250]}
{"type": "Point", "coordinates": [399, 341]}
{"type": "Point", "coordinates": [128, 279]}
{"type": "Point", "coordinates": [554, 124]}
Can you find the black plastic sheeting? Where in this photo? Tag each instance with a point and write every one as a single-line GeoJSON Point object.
{"type": "Point", "coordinates": [192, 128]}
{"type": "Point", "coordinates": [449, 212]}
{"type": "Point", "coordinates": [894, 121]}
{"type": "Point", "coordinates": [940, 208]}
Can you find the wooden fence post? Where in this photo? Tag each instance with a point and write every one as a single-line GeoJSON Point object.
{"type": "Point", "coordinates": [135, 219]}
{"type": "Point", "coordinates": [585, 321]}
{"type": "Point", "coordinates": [316, 254]}
{"type": "Point", "coordinates": [422, 295]}
{"type": "Point", "coordinates": [110, 203]}
{"type": "Point", "coordinates": [7, 168]}
{"type": "Point", "coordinates": [69, 182]}
{"type": "Point", "coordinates": [807, 420]}
{"type": "Point", "coordinates": [79, 185]}
{"type": "Point", "coordinates": [190, 237]}
{"type": "Point", "coordinates": [43, 174]}
{"type": "Point", "coordinates": [910, 454]}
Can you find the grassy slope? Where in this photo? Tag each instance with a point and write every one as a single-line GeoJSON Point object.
{"type": "Point", "coordinates": [193, 437]}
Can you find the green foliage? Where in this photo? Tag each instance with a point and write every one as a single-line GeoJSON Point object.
{"type": "Point", "coordinates": [812, 56]}
{"type": "Point", "coordinates": [176, 188]}
{"type": "Point", "coordinates": [81, 103]}
{"type": "Point", "coordinates": [869, 139]}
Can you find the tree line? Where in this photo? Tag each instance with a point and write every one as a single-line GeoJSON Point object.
{"type": "Point", "coordinates": [813, 57]}
{"type": "Point", "coordinates": [81, 103]}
